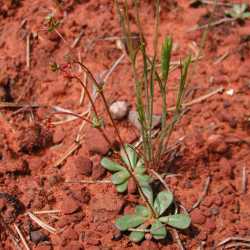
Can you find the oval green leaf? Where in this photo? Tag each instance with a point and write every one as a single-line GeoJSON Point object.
{"type": "Point", "coordinates": [140, 169]}
{"type": "Point", "coordinates": [143, 179]}
{"type": "Point", "coordinates": [111, 165]}
{"type": "Point", "coordinates": [136, 236]}
{"type": "Point", "coordinates": [163, 200]}
{"type": "Point", "coordinates": [129, 221]}
{"type": "Point", "coordinates": [158, 230]}
{"type": "Point", "coordinates": [130, 157]}
{"type": "Point", "coordinates": [142, 211]}
{"type": "Point", "coordinates": [122, 187]}
{"type": "Point", "coordinates": [148, 192]}
{"type": "Point", "coordinates": [120, 177]}
{"type": "Point", "coordinates": [179, 221]}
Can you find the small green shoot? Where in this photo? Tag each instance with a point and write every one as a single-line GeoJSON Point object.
{"type": "Point", "coordinates": [142, 220]}
{"type": "Point", "coordinates": [52, 23]}
{"type": "Point", "coordinates": [121, 174]}
{"type": "Point", "coordinates": [239, 12]}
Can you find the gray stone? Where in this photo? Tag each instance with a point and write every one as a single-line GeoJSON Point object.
{"type": "Point", "coordinates": [119, 110]}
{"type": "Point", "coordinates": [133, 118]}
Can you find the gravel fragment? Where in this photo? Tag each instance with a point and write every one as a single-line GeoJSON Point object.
{"type": "Point", "coordinates": [119, 110]}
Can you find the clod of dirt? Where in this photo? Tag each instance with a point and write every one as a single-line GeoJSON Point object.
{"type": "Point", "coordinates": [98, 171]}
{"type": "Point", "coordinates": [132, 188]}
{"type": "Point", "coordinates": [210, 225]}
{"type": "Point", "coordinates": [216, 144]}
{"type": "Point", "coordinates": [43, 247]}
{"type": "Point", "coordinates": [84, 165]}
{"type": "Point", "coordinates": [34, 138]}
{"type": "Point", "coordinates": [226, 168]}
{"type": "Point", "coordinates": [107, 202]}
{"type": "Point", "coordinates": [119, 110]}
{"type": "Point", "coordinates": [69, 205]}
{"type": "Point", "coordinates": [92, 238]}
{"type": "Point", "coordinates": [16, 167]}
{"type": "Point", "coordinates": [197, 217]}
{"type": "Point", "coordinates": [148, 244]}
{"type": "Point", "coordinates": [58, 136]}
{"type": "Point", "coordinates": [98, 145]}
{"type": "Point", "coordinates": [54, 180]}
{"type": "Point", "coordinates": [11, 207]}
{"type": "Point", "coordinates": [69, 234]}
{"type": "Point", "coordinates": [38, 236]}
{"type": "Point", "coordinates": [5, 89]}
{"type": "Point", "coordinates": [229, 118]}
{"type": "Point", "coordinates": [133, 118]}
{"type": "Point", "coordinates": [83, 195]}
{"type": "Point", "coordinates": [74, 245]}
{"type": "Point", "coordinates": [208, 201]}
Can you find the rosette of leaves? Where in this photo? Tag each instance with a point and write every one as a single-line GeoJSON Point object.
{"type": "Point", "coordinates": [121, 175]}
{"type": "Point", "coordinates": [239, 12]}
{"type": "Point", "coordinates": [142, 221]}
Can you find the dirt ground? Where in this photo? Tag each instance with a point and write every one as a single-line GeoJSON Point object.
{"type": "Point", "coordinates": [213, 138]}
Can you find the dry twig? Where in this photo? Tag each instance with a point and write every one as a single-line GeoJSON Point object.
{"type": "Point", "coordinates": [47, 212]}
{"type": "Point", "coordinates": [21, 237]}
{"type": "Point", "coordinates": [78, 38]}
{"type": "Point", "coordinates": [234, 238]}
{"type": "Point", "coordinates": [244, 180]}
{"type": "Point", "coordinates": [90, 181]}
{"type": "Point", "coordinates": [41, 223]}
{"type": "Point", "coordinates": [215, 23]}
{"type": "Point", "coordinates": [178, 240]}
{"type": "Point", "coordinates": [203, 195]}
{"type": "Point", "coordinates": [28, 51]}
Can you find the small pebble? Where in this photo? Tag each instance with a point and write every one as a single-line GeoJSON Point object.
{"type": "Point", "coordinates": [197, 217]}
{"type": "Point", "coordinates": [216, 144]}
{"type": "Point", "coordinates": [38, 236]}
{"type": "Point", "coordinates": [133, 118]}
{"type": "Point", "coordinates": [119, 110]}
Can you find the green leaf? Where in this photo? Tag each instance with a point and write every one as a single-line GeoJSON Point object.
{"type": "Point", "coordinates": [120, 177]}
{"type": "Point", "coordinates": [158, 230]}
{"type": "Point", "coordinates": [243, 7]}
{"type": "Point", "coordinates": [143, 179]}
{"type": "Point", "coordinates": [179, 221]}
{"type": "Point", "coordinates": [142, 211]}
{"type": "Point", "coordinates": [136, 236]}
{"type": "Point", "coordinates": [163, 200]}
{"type": "Point", "coordinates": [140, 170]}
{"type": "Point", "coordinates": [165, 57]}
{"type": "Point", "coordinates": [111, 165]}
{"type": "Point", "coordinates": [131, 154]}
{"type": "Point", "coordinates": [147, 190]}
{"type": "Point", "coordinates": [237, 9]}
{"type": "Point", "coordinates": [122, 187]}
{"type": "Point", "coordinates": [246, 15]}
{"type": "Point", "coordinates": [129, 221]}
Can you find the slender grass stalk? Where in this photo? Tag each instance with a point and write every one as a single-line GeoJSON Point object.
{"type": "Point", "coordinates": [145, 84]}
{"type": "Point", "coordinates": [167, 131]}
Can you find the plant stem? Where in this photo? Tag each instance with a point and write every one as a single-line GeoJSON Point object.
{"type": "Point", "coordinates": [129, 168]}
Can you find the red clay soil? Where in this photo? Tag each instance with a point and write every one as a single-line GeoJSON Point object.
{"type": "Point", "coordinates": [215, 133]}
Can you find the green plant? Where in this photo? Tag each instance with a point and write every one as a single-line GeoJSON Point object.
{"type": "Point", "coordinates": [239, 12]}
{"type": "Point", "coordinates": [149, 219]}
{"type": "Point", "coordinates": [121, 175]}
{"type": "Point", "coordinates": [142, 221]}
{"type": "Point", "coordinates": [152, 217]}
